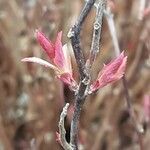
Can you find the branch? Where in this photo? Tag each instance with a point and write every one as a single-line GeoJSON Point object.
{"type": "Point", "coordinates": [62, 131]}
{"type": "Point", "coordinates": [74, 35]}
{"type": "Point", "coordinates": [80, 95]}
{"type": "Point", "coordinates": [139, 129]}
{"type": "Point", "coordinates": [97, 32]}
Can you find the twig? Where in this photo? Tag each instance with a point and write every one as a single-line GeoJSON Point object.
{"type": "Point", "coordinates": [97, 32]}
{"type": "Point", "coordinates": [80, 95]}
{"type": "Point", "coordinates": [139, 129]}
{"type": "Point", "coordinates": [74, 35]}
{"type": "Point", "coordinates": [62, 130]}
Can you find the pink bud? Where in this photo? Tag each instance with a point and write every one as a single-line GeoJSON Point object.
{"type": "Point", "coordinates": [45, 44]}
{"type": "Point", "coordinates": [59, 55]}
{"type": "Point", "coordinates": [111, 72]}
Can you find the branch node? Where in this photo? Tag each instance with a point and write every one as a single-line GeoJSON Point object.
{"type": "Point", "coordinates": [96, 25]}
{"type": "Point", "coordinates": [70, 33]}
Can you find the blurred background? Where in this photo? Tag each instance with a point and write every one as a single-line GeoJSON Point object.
{"type": "Point", "coordinates": [31, 98]}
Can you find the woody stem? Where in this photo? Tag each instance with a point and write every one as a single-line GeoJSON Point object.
{"type": "Point", "coordinates": [80, 95]}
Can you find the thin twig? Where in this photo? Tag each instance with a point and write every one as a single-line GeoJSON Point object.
{"type": "Point", "coordinates": [62, 130]}
{"type": "Point", "coordinates": [95, 46]}
{"type": "Point", "coordinates": [138, 128]}
{"type": "Point", "coordinates": [112, 29]}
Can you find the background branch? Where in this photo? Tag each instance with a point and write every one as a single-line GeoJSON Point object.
{"type": "Point", "coordinates": [139, 129]}
{"type": "Point", "coordinates": [112, 29]}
